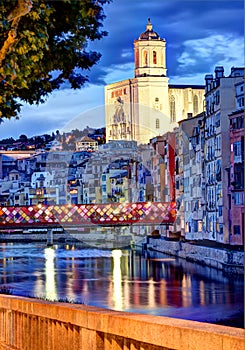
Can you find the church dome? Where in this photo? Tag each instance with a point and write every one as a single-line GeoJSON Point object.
{"type": "Point", "coordinates": [149, 34]}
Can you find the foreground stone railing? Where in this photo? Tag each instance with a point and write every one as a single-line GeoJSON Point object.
{"type": "Point", "coordinates": [37, 325]}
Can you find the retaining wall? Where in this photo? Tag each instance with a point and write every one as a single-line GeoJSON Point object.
{"type": "Point", "coordinates": [214, 257]}
{"type": "Point", "coordinates": [39, 325]}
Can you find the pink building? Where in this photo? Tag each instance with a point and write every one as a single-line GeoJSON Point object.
{"type": "Point", "coordinates": [236, 171]}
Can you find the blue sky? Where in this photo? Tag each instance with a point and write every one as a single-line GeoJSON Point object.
{"type": "Point", "coordinates": [200, 35]}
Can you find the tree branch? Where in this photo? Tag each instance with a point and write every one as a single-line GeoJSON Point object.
{"type": "Point", "coordinates": [23, 7]}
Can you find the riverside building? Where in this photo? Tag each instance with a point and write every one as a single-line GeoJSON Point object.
{"type": "Point", "coordinates": [220, 95]}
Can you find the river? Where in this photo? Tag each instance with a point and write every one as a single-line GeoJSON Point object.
{"type": "Point", "coordinates": [126, 280]}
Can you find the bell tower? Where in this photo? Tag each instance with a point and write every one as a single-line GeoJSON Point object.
{"type": "Point", "coordinates": [150, 54]}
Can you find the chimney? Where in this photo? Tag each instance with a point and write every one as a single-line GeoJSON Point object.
{"type": "Point", "coordinates": [219, 72]}
{"type": "Point", "coordinates": [208, 78]}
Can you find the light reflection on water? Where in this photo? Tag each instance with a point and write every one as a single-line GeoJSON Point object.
{"type": "Point", "coordinates": [121, 280]}
{"type": "Point", "coordinates": [50, 283]}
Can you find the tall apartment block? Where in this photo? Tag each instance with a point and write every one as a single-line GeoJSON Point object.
{"type": "Point", "coordinates": [220, 96]}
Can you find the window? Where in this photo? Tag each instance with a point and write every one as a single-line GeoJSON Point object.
{"type": "Point", "coordinates": [145, 58]}
{"type": "Point", "coordinates": [218, 143]}
{"type": "Point", "coordinates": [240, 102]}
{"type": "Point", "coordinates": [220, 210]}
{"type": "Point", "coordinates": [217, 122]}
{"type": "Point", "coordinates": [172, 110]}
{"type": "Point", "coordinates": [154, 57]}
{"type": "Point", "coordinates": [238, 198]}
{"type": "Point", "coordinates": [218, 170]}
{"type": "Point", "coordinates": [195, 105]}
{"type": "Point", "coordinates": [238, 176]}
{"type": "Point", "coordinates": [237, 148]}
{"type": "Point", "coordinates": [200, 226]}
{"type": "Point", "coordinates": [217, 98]}
{"type": "Point", "coordinates": [157, 123]}
{"type": "Point", "coordinates": [236, 230]}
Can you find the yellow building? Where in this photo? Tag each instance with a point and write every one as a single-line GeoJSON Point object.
{"type": "Point", "coordinates": [147, 105]}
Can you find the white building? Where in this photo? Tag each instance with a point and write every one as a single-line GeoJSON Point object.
{"type": "Point", "coordinates": [147, 106]}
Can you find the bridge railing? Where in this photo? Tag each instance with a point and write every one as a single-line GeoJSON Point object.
{"type": "Point", "coordinates": [87, 214]}
{"type": "Point", "coordinates": [38, 325]}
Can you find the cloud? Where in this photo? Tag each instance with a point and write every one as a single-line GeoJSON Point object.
{"type": "Point", "coordinates": [119, 72]}
{"type": "Point", "coordinates": [202, 55]}
{"type": "Point", "coordinates": [200, 35]}
{"type": "Point", "coordinates": [61, 108]}
{"type": "Point", "coordinates": [177, 21]}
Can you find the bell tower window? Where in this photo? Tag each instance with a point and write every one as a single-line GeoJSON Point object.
{"type": "Point", "coordinates": [154, 57]}
{"type": "Point", "coordinates": [145, 58]}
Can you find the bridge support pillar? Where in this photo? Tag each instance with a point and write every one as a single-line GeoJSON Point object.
{"type": "Point", "coordinates": [50, 237]}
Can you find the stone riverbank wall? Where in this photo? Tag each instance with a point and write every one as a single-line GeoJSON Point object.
{"type": "Point", "coordinates": [230, 260]}
{"type": "Point", "coordinates": [41, 325]}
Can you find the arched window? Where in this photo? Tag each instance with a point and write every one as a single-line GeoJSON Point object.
{"type": "Point", "coordinates": [195, 105]}
{"type": "Point", "coordinates": [157, 123]}
{"type": "Point", "coordinates": [145, 58]}
{"type": "Point", "coordinates": [136, 58]}
{"type": "Point", "coordinates": [154, 57]}
{"type": "Point", "coordinates": [172, 110]}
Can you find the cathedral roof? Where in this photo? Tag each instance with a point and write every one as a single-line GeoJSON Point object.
{"type": "Point", "coordinates": [149, 34]}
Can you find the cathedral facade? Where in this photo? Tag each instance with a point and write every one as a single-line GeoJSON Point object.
{"type": "Point", "coordinates": [147, 105]}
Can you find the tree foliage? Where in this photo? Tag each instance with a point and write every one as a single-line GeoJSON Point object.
{"type": "Point", "coordinates": [43, 44]}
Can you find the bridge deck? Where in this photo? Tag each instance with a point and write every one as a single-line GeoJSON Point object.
{"type": "Point", "coordinates": [113, 214]}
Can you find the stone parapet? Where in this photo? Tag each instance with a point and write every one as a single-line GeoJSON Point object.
{"type": "Point", "coordinates": [34, 324]}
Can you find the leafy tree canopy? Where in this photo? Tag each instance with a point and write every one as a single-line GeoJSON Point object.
{"type": "Point", "coordinates": [43, 45]}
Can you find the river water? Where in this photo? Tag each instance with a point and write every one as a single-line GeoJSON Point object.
{"type": "Point", "coordinates": [127, 280]}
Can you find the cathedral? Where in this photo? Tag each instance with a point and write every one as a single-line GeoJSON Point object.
{"type": "Point", "coordinates": [146, 106]}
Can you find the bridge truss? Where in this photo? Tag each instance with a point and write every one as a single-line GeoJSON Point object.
{"type": "Point", "coordinates": [113, 214]}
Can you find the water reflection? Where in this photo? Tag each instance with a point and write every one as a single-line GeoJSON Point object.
{"type": "Point", "coordinates": [122, 280]}
{"type": "Point", "coordinates": [50, 283]}
{"type": "Point", "coordinates": [117, 280]}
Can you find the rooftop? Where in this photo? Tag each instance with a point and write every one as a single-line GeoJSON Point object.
{"type": "Point", "coordinates": [149, 34]}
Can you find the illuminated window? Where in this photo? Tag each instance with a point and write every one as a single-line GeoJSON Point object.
{"type": "Point", "coordinates": [154, 57]}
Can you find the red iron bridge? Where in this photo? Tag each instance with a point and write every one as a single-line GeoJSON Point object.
{"type": "Point", "coordinates": [77, 215]}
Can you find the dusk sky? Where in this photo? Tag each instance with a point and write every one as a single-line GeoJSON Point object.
{"type": "Point", "coordinates": [199, 34]}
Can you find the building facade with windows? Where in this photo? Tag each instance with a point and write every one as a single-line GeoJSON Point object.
{"type": "Point", "coordinates": [190, 178]}
{"type": "Point", "coordinates": [146, 106]}
{"type": "Point", "coordinates": [236, 170]}
{"type": "Point", "coordinates": [221, 100]}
